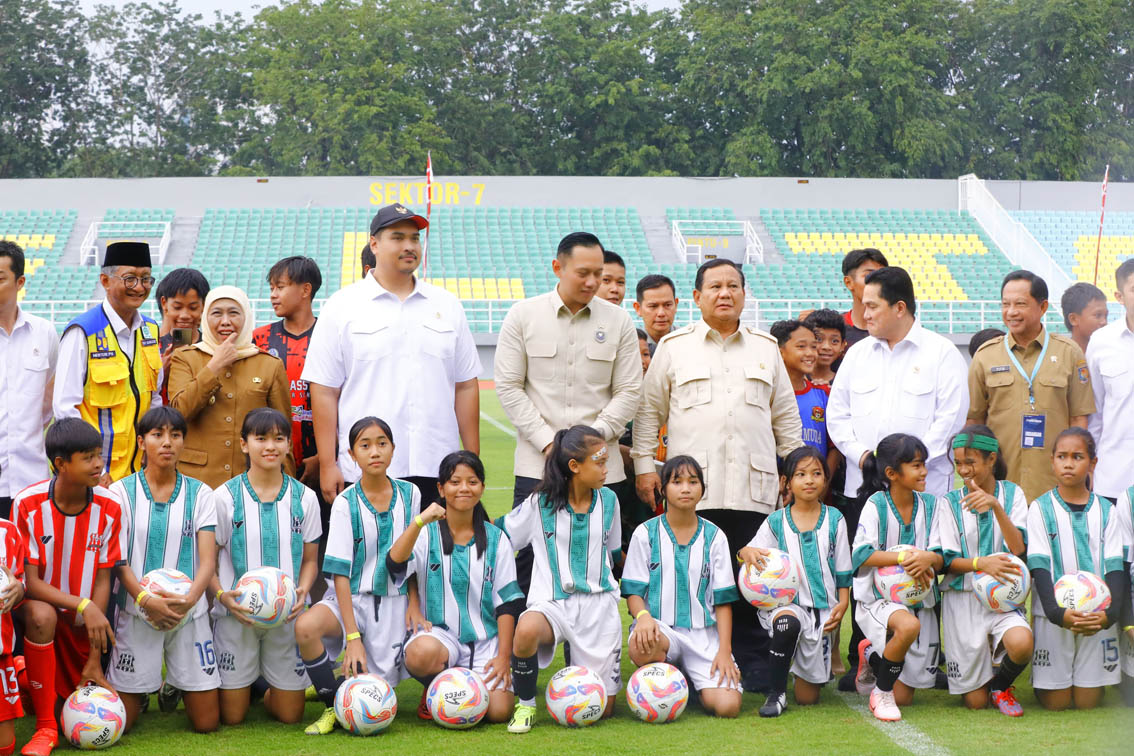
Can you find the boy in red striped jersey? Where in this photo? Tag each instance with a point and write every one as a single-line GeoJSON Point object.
{"type": "Point", "coordinates": [12, 566]}
{"type": "Point", "coordinates": [70, 528]}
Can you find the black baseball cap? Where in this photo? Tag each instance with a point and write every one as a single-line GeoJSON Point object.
{"type": "Point", "coordinates": [391, 214]}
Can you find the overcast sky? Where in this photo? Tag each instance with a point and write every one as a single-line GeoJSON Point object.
{"type": "Point", "coordinates": [248, 7]}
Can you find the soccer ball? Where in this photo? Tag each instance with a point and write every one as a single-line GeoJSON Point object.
{"type": "Point", "coordinates": [775, 585]}
{"type": "Point", "coordinates": [1082, 591]}
{"type": "Point", "coordinates": [93, 718]}
{"type": "Point", "coordinates": [575, 697]}
{"type": "Point", "coordinates": [365, 705]}
{"type": "Point", "coordinates": [896, 585]}
{"type": "Point", "coordinates": [1000, 597]}
{"type": "Point", "coordinates": [457, 698]}
{"type": "Point", "coordinates": [657, 692]}
{"type": "Point", "coordinates": [168, 580]}
{"type": "Point", "coordinates": [268, 593]}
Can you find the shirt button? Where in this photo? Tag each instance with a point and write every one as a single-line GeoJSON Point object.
{"type": "Point", "coordinates": [229, 394]}
{"type": "Point", "coordinates": [228, 443]}
{"type": "Point", "coordinates": [228, 375]}
{"type": "Point", "coordinates": [227, 467]}
{"type": "Point", "coordinates": [729, 391]}
{"type": "Point", "coordinates": [228, 419]}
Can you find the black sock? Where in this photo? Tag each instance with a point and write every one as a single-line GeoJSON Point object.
{"type": "Point", "coordinates": [785, 635]}
{"type": "Point", "coordinates": [321, 672]}
{"type": "Point", "coordinates": [1007, 674]}
{"type": "Point", "coordinates": [425, 680]}
{"type": "Point", "coordinates": [888, 672]}
{"type": "Point", "coordinates": [259, 688]}
{"type": "Point", "coordinates": [875, 661]}
{"type": "Point", "coordinates": [525, 671]}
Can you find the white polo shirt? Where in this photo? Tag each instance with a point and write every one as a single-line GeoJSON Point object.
{"type": "Point", "coordinates": [28, 357]}
{"type": "Point", "coordinates": [1110, 360]}
{"type": "Point", "coordinates": [919, 387]}
{"type": "Point", "coordinates": [399, 361]}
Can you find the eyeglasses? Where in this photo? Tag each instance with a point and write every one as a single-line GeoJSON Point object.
{"type": "Point", "coordinates": [133, 281]}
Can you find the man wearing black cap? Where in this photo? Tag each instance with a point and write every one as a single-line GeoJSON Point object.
{"type": "Point", "coordinates": [110, 370]}
{"type": "Point", "coordinates": [393, 346]}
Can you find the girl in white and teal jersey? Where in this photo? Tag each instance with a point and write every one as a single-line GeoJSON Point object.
{"type": "Point", "coordinates": [466, 580]}
{"type": "Point", "coordinates": [572, 524]}
{"type": "Point", "coordinates": [679, 588]}
{"type": "Point", "coordinates": [1071, 529]}
{"type": "Point", "coordinates": [978, 524]}
{"type": "Point", "coordinates": [363, 613]}
{"type": "Point", "coordinates": [815, 537]}
{"type": "Point", "coordinates": [265, 518]}
{"type": "Point", "coordinates": [899, 653]}
{"type": "Point", "coordinates": [168, 521]}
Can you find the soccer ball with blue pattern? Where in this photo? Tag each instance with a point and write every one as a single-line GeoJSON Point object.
{"type": "Point", "coordinates": [1082, 591]}
{"type": "Point", "coordinates": [166, 580]}
{"type": "Point", "coordinates": [365, 705]}
{"type": "Point", "coordinates": [268, 594]}
{"type": "Point", "coordinates": [775, 585]}
{"type": "Point", "coordinates": [657, 692]}
{"type": "Point", "coordinates": [457, 698]}
{"type": "Point", "coordinates": [93, 718]}
{"type": "Point", "coordinates": [1003, 597]}
{"type": "Point", "coordinates": [575, 697]}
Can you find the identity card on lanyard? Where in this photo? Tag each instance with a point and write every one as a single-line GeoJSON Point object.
{"type": "Point", "coordinates": [1032, 431]}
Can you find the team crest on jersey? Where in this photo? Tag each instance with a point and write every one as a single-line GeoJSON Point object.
{"type": "Point", "coordinates": [296, 525]}
{"type": "Point", "coordinates": [187, 529]}
{"type": "Point", "coordinates": [237, 523]}
{"type": "Point", "coordinates": [434, 566]}
{"type": "Point", "coordinates": [654, 566]}
{"type": "Point", "coordinates": [95, 542]}
{"type": "Point", "coordinates": [818, 414]}
{"type": "Point", "coordinates": [125, 663]}
{"type": "Point", "coordinates": [489, 573]}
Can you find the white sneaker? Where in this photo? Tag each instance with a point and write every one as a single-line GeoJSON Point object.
{"type": "Point", "coordinates": [883, 706]}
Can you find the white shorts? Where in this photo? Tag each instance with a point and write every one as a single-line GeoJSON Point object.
{"type": "Point", "coordinates": [812, 660]}
{"type": "Point", "coordinates": [137, 654]}
{"type": "Point", "coordinates": [382, 622]}
{"type": "Point", "coordinates": [920, 670]}
{"type": "Point", "coordinates": [692, 650]}
{"type": "Point", "coordinates": [1063, 659]}
{"type": "Point", "coordinates": [590, 623]}
{"type": "Point", "coordinates": [245, 653]}
{"type": "Point", "coordinates": [469, 655]}
{"type": "Point", "coordinates": [973, 634]}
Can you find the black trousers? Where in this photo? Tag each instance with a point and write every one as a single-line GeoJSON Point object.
{"type": "Point", "coordinates": [851, 509]}
{"type": "Point", "coordinates": [428, 488]}
{"type": "Point", "coordinates": [6, 507]}
{"type": "Point", "coordinates": [521, 490]}
{"type": "Point", "coordinates": [750, 642]}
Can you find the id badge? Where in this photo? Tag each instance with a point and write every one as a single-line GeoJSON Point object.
{"type": "Point", "coordinates": [1031, 436]}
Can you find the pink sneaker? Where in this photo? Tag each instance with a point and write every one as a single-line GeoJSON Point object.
{"type": "Point", "coordinates": [1005, 701]}
{"type": "Point", "coordinates": [864, 677]}
{"type": "Point", "coordinates": [883, 705]}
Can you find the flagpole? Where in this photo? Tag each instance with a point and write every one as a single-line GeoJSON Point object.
{"type": "Point", "coordinates": [1102, 215]}
{"type": "Point", "coordinates": [428, 209]}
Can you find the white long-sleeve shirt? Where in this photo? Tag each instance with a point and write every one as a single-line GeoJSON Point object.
{"type": "Point", "coordinates": [1110, 360]}
{"type": "Point", "coordinates": [919, 387]}
{"type": "Point", "coordinates": [27, 368]}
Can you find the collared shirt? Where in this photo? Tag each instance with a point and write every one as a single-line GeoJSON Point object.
{"type": "Point", "coordinates": [399, 361]}
{"type": "Point", "coordinates": [918, 387]}
{"type": "Point", "coordinates": [554, 370]}
{"type": "Point", "coordinates": [1110, 360]}
{"type": "Point", "coordinates": [27, 367]}
{"type": "Point", "coordinates": [71, 375]}
{"type": "Point", "coordinates": [999, 394]}
{"type": "Point", "coordinates": [727, 402]}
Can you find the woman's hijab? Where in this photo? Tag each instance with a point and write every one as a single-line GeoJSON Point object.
{"type": "Point", "coordinates": [209, 341]}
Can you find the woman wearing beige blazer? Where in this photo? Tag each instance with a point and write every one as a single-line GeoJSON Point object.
{"type": "Point", "coordinates": [219, 380]}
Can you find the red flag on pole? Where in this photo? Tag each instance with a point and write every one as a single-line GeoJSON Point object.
{"type": "Point", "coordinates": [428, 206]}
{"type": "Point", "coordinates": [1102, 215]}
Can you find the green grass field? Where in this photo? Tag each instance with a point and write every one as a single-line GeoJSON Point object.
{"type": "Point", "coordinates": [935, 723]}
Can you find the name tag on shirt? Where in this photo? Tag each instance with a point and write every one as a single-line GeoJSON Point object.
{"type": "Point", "coordinates": [1032, 433]}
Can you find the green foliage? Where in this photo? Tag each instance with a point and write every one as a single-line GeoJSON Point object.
{"type": "Point", "coordinates": [1036, 89]}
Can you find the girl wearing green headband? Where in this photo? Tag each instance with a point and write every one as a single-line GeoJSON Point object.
{"type": "Point", "coordinates": [980, 524]}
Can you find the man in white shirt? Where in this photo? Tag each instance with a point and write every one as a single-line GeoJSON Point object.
{"type": "Point", "coordinates": [1110, 359]}
{"type": "Point", "coordinates": [396, 347]}
{"type": "Point", "coordinates": [110, 369]}
{"type": "Point", "coordinates": [29, 348]}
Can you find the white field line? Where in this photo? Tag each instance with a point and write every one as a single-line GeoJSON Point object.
{"type": "Point", "coordinates": [497, 424]}
{"type": "Point", "coordinates": [904, 734]}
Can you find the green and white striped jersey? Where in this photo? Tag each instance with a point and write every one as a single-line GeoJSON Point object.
{"type": "Point", "coordinates": [1063, 540]}
{"type": "Point", "coordinates": [961, 534]}
{"type": "Point", "coordinates": [823, 553]}
{"type": "Point", "coordinates": [880, 528]}
{"type": "Point", "coordinates": [359, 537]}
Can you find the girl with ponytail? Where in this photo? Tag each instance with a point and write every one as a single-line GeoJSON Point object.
{"type": "Point", "coordinates": [573, 525]}
{"type": "Point", "coordinates": [466, 579]}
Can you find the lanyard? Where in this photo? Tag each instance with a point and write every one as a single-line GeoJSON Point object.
{"type": "Point", "coordinates": [1030, 379]}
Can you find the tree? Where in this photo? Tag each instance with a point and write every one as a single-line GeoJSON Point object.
{"type": "Point", "coordinates": [43, 67]}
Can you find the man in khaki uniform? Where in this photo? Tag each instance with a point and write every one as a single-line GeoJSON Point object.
{"type": "Point", "coordinates": [725, 394]}
{"type": "Point", "coordinates": [1029, 385]}
{"type": "Point", "coordinates": [564, 358]}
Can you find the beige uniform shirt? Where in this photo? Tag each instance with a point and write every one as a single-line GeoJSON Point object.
{"type": "Point", "coordinates": [554, 370]}
{"type": "Point", "coordinates": [728, 404]}
{"type": "Point", "coordinates": [998, 392]}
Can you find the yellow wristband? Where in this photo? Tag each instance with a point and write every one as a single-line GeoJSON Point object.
{"type": "Point", "coordinates": [418, 521]}
{"type": "Point", "coordinates": [354, 636]}
{"type": "Point", "coordinates": [141, 597]}
{"type": "Point", "coordinates": [638, 616]}
{"type": "Point", "coordinates": [220, 591]}
{"type": "Point", "coordinates": [901, 556]}
{"type": "Point", "coordinates": [83, 605]}
{"type": "Point", "coordinates": [974, 563]}
{"type": "Point", "coordinates": [1128, 628]}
